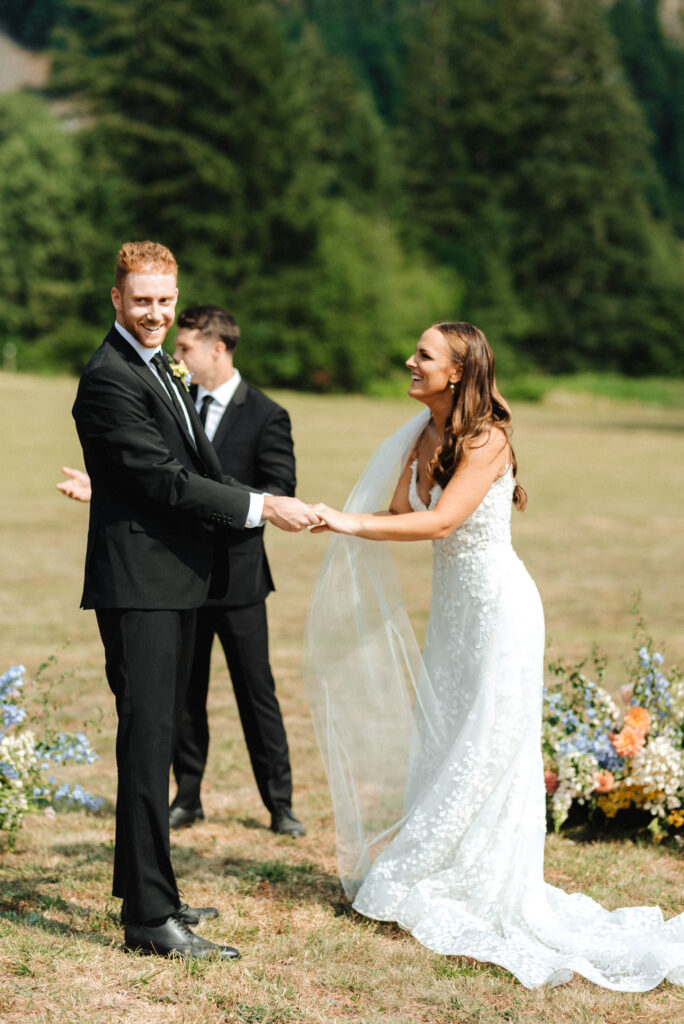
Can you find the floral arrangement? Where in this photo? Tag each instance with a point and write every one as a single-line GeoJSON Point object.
{"type": "Point", "coordinates": [611, 758]}
{"type": "Point", "coordinates": [181, 371]}
{"type": "Point", "coordinates": [29, 751]}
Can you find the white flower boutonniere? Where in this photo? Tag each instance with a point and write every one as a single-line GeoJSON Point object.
{"type": "Point", "coordinates": [181, 371]}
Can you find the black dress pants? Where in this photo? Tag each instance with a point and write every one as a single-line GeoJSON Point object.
{"type": "Point", "coordinates": [147, 657]}
{"type": "Point", "coordinates": [243, 633]}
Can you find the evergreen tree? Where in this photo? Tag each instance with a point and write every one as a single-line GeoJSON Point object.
{"type": "Point", "coordinates": [237, 154]}
{"type": "Point", "coordinates": [655, 67]}
{"type": "Point", "coordinates": [200, 105]}
{"type": "Point", "coordinates": [49, 250]}
{"type": "Point", "coordinates": [597, 266]}
{"type": "Point", "coordinates": [528, 171]}
{"type": "Point", "coordinates": [353, 144]}
{"type": "Point", "coordinates": [32, 21]}
{"type": "Point", "coordinates": [461, 123]}
{"type": "Point", "coordinates": [371, 37]}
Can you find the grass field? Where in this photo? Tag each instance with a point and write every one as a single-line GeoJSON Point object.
{"type": "Point", "coordinates": [605, 520]}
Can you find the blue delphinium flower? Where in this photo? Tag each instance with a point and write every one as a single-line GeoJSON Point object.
{"type": "Point", "coordinates": [28, 784]}
{"type": "Point", "coordinates": [12, 714]}
{"type": "Point", "coordinates": [12, 679]}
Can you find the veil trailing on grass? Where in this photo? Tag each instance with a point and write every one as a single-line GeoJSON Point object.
{"type": "Point", "coordinates": [371, 701]}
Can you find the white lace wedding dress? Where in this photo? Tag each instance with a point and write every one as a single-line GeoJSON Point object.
{"type": "Point", "coordinates": [435, 764]}
{"type": "Point", "coordinates": [465, 872]}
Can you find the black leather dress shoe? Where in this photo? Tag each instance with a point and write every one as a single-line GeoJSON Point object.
{"type": "Point", "coordinates": [286, 824]}
{"type": "Point", "coordinates": [188, 915]}
{"type": "Point", "coordinates": [172, 937]}
{"type": "Point", "coordinates": [193, 915]}
{"type": "Point", "coordinates": [183, 817]}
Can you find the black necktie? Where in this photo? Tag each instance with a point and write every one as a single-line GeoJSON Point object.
{"type": "Point", "coordinates": [204, 409]}
{"type": "Point", "coordinates": [157, 361]}
{"type": "Point", "coordinates": [169, 386]}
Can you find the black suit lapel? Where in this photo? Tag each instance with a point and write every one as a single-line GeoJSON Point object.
{"type": "Point", "coordinates": [146, 375]}
{"type": "Point", "coordinates": [232, 414]}
{"type": "Point", "coordinates": [203, 453]}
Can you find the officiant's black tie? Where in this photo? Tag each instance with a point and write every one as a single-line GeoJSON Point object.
{"type": "Point", "coordinates": [204, 409]}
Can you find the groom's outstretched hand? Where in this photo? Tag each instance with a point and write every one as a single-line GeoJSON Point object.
{"type": "Point", "coordinates": [77, 486]}
{"type": "Point", "coordinates": [289, 514]}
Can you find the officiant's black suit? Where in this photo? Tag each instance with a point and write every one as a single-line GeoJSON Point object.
{"type": "Point", "coordinates": [159, 508]}
{"type": "Point", "coordinates": [253, 442]}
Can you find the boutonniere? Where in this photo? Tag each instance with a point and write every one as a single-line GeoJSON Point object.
{"type": "Point", "coordinates": [181, 371]}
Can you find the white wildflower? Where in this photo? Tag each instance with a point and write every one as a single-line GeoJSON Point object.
{"type": "Point", "coordinates": [576, 781]}
{"type": "Point", "coordinates": [659, 770]}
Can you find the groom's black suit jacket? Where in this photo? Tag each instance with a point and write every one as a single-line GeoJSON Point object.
{"type": "Point", "coordinates": [156, 498]}
{"type": "Point", "coordinates": [156, 542]}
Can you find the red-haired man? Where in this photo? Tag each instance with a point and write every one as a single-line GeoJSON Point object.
{"type": "Point", "coordinates": [156, 549]}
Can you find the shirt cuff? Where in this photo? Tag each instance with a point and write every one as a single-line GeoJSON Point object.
{"type": "Point", "coordinates": [256, 507]}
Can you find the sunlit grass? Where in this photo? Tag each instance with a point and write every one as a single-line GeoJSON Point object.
{"type": "Point", "coordinates": [605, 519]}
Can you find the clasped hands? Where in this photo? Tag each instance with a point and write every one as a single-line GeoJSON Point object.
{"type": "Point", "coordinates": [289, 514]}
{"type": "Point", "coordinates": [293, 515]}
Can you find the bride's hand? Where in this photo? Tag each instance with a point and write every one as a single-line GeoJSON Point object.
{"type": "Point", "coordinates": [337, 522]}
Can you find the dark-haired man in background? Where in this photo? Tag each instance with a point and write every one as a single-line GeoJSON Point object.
{"type": "Point", "coordinates": [253, 440]}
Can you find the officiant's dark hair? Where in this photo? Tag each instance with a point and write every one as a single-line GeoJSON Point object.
{"type": "Point", "coordinates": [212, 322]}
{"type": "Point", "coordinates": [477, 404]}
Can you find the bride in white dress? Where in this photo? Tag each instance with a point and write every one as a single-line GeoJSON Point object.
{"type": "Point", "coordinates": [435, 765]}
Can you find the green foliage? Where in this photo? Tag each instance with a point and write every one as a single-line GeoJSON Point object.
{"type": "Point", "coordinates": [48, 247]}
{"type": "Point", "coordinates": [177, 92]}
{"type": "Point", "coordinates": [529, 172]}
{"type": "Point", "coordinates": [655, 67]}
{"type": "Point", "coordinates": [339, 174]}
{"type": "Point", "coordinates": [31, 21]}
{"type": "Point", "coordinates": [600, 270]}
{"type": "Point", "coordinates": [238, 156]}
{"type": "Point", "coordinates": [370, 36]}
{"type": "Point", "coordinates": [363, 301]}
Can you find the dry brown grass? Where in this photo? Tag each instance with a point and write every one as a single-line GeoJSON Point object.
{"type": "Point", "coordinates": [605, 519]}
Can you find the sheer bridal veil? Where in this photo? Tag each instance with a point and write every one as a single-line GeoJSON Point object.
{"type": "Point", "coordinates": [371, 701]}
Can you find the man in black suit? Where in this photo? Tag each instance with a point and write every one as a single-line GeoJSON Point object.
{"type": "Point", "coordinates": [156, 543]}
{"type": "Point", "coordinates": [253, 440]}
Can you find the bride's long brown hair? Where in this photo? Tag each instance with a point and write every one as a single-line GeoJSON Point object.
{"type": "Point", "coordinates": [477, 405]}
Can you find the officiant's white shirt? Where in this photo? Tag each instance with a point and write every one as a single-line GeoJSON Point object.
{"type": "Point", "coordinates": [256, 501]}
{"type": "Point", "coordinates": [221, 400]}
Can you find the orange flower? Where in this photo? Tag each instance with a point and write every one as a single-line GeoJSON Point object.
{"type": "Point", "coordinates": [628, 742]}
{"type": "Point", "coordinates": [605, 781]}
{"type": "Point", "coordinates": [639, 720]}
{"type": "Point", "coordinates": [550, 781]}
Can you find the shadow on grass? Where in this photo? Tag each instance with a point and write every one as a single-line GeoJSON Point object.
{"type": "Point", "coordinates": [25, 910]}
{"type": "Point", "coordinates": [630, 825]}
{"type": "Point", "coordinates": [303, 882]}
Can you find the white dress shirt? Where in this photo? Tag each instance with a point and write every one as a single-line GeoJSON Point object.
{"type": "Point", "coordinates": [256, 501]}
{"type": "Point", "coordinates": [147, 355]}
{"type": "Point", "coordinates": [221, 399]}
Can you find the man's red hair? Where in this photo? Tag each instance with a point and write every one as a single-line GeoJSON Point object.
{"type": "Point", "coordinates": [143, 257]}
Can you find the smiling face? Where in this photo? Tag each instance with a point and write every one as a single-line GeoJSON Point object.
{"type": "Point", "coordinates": [145, 305]}
{"type": "Point", "coordinates": [432, 367]}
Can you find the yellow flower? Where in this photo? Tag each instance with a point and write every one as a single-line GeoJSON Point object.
{"type": "Point", "coordinates": [618, 799]}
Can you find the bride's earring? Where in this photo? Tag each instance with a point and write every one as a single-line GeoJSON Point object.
{"type": "Point", "coordinates": [452, 386]}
